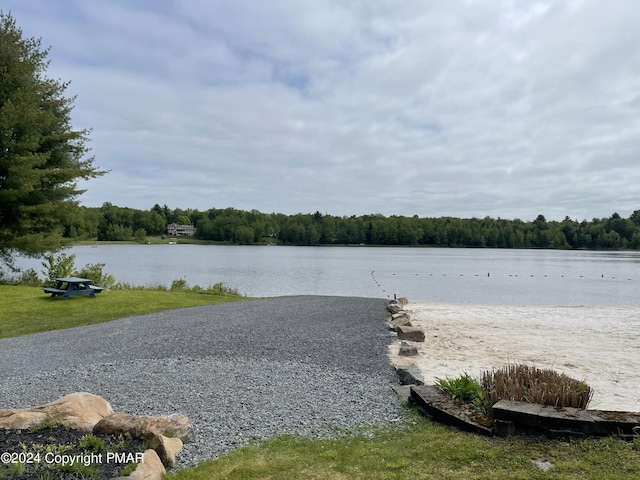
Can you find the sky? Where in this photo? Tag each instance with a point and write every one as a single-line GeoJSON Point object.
{"type": "Point", "coordinates": [472, 108]}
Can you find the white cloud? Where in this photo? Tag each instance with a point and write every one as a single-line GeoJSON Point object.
{"type": "Point", "coordinates": [506, 109]}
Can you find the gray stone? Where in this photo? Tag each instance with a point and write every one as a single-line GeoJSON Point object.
{"type": "Point", "coordinates": [402, 391]}
{"type": "Point", "coordinates": [394, 307]}
{"type": "Point", "coordinates": [413, 334]}
{"type": "Point", "coordinates": [543, 465]}
{"type": "Point", "coordinates": [410, 375]}
{"type": "Point", "coordinates": [407, 350]}
{"type": "Point", "coordinates": [400, 322]}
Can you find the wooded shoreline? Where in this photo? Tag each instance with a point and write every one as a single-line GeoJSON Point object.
{"type": "Point", "coordinates": [230, 225]}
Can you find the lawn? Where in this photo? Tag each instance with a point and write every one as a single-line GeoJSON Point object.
{"type": "Point", "coordinates": [420, 449]}
{"type": "Point", "coordinates": [25, 310]}
{"type": "Point", "coordinates": [414, 448]}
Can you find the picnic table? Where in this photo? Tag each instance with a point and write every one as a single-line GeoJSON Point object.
{"type": "Point", "coordinates": [67, 286]}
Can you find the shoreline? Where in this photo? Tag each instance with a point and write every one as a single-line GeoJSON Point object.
{"type": "Point", "coordinates": [600, 345]}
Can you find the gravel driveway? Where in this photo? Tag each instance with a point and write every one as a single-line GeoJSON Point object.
{"type": "Point", "coordinates": [239, 371]}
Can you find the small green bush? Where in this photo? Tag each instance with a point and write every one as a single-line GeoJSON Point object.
{"type": "Point", "coordinates": [179, 285]}
{"type": "Point", "coordinates": [45, 424]}
{"type": "Point", "coordinates": [92, 443]}
{"type": "Point", "coordinates": [29, 278]}
{"type": "Point", "coordinates": [94, 272]}
{"type": "Point", "coordinates": [63, 265]}
{"type": "Point", "coordinates": [464, 389]}
{"type": "Point", "coordinates": [57, 266]}
{"type": "Point", "coordinates": [220, 288]}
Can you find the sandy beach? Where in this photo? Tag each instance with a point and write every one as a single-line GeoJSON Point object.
{"type": "Point", "coordinates": [598, 344]}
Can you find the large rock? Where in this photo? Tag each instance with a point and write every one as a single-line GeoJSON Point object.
{"type": "Point", "coordinates": [401, 321]}
{"type": "Point", "coordinates": [394, 307]}
{"type": "Point", "coordinates": [407, 350]}
{"type": "Point", "coordinates": [177, 426]}
{"type": "Point", "coordinates": [150, 468]}
{"type": "Point", "coordinates": [413, 334]}
{"type": "Point", "coordinates": [91, 413]}
{"type": "Point", "coordinates": [409, 375]}
{"type": "Point", "coordinates": [79, 410]}
{"type": "Point", "coordinates": [167, 448]}
{"type": "Point", "coordinates": [402, 314]}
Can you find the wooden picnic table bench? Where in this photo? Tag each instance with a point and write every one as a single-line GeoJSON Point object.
{"type": "Point", "coordinates": [67, 286]}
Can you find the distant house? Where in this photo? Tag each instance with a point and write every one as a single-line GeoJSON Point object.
{"type": "Point", "coordinates": [177, 230]}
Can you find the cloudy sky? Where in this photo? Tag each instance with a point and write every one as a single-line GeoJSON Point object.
{"type": "Point", "coordinates": [465, 108]}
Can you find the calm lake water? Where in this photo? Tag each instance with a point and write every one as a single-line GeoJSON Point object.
{"type": "Point", "coordinates": [481, 276]}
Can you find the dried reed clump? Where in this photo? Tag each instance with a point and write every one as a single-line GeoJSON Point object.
{"type": "Point", "coordinates": [535, 385]}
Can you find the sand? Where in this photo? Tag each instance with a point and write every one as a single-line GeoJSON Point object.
{"type": "Point", "coordinates": [598, 344]}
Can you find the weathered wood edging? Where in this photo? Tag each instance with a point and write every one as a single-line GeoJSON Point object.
{"type": "Point", "coordinates": [517, 418]}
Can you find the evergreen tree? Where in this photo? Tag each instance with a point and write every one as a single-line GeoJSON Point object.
{"type": "Point", "coordinates": [41, 156]}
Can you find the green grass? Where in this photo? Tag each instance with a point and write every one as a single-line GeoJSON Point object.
{"type": "Point", "coordinates": [25, 310]}
{"type": "Point", "coordinates": [419, 448]}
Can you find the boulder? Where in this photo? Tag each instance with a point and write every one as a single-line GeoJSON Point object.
{"type": "Point", "coordinates": [167, 448]}
{"type": "Point", "coordinates": [407, 350]}
{"type": "Point", "coordinates": [80, 410]}
{"type": "Point", "coordinates": [90, 413]}
{"type": "Point", "coordinates": [403, 301]}
{"type": "Point", "coordinates": [413, 334]}
{"type": "Point", "coordinates": [394, 307]}
{"type": "Point", "coordinates": [176, 425]}
{"type": "Point", "coordinates": [400, 322]}
{"type": "Point", "coordinates": [401, 314]}
{"type": "Point", "coordinates": [150, 468]}
{"type": "Point", "coordinates": [409, 375]}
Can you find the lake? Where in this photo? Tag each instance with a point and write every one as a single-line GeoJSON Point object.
{"type": "Point", "coordinates": [471, 276]}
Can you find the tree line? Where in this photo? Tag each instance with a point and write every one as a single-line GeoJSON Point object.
{"type": "Point", "coordinates": [230, 225]}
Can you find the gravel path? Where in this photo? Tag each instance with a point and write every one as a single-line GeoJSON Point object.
{"type": "Point", "coordinates": [239, 371]}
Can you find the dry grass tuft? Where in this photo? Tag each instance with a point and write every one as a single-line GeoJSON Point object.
{"type": "Point", "coordinates": [535, 385]}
